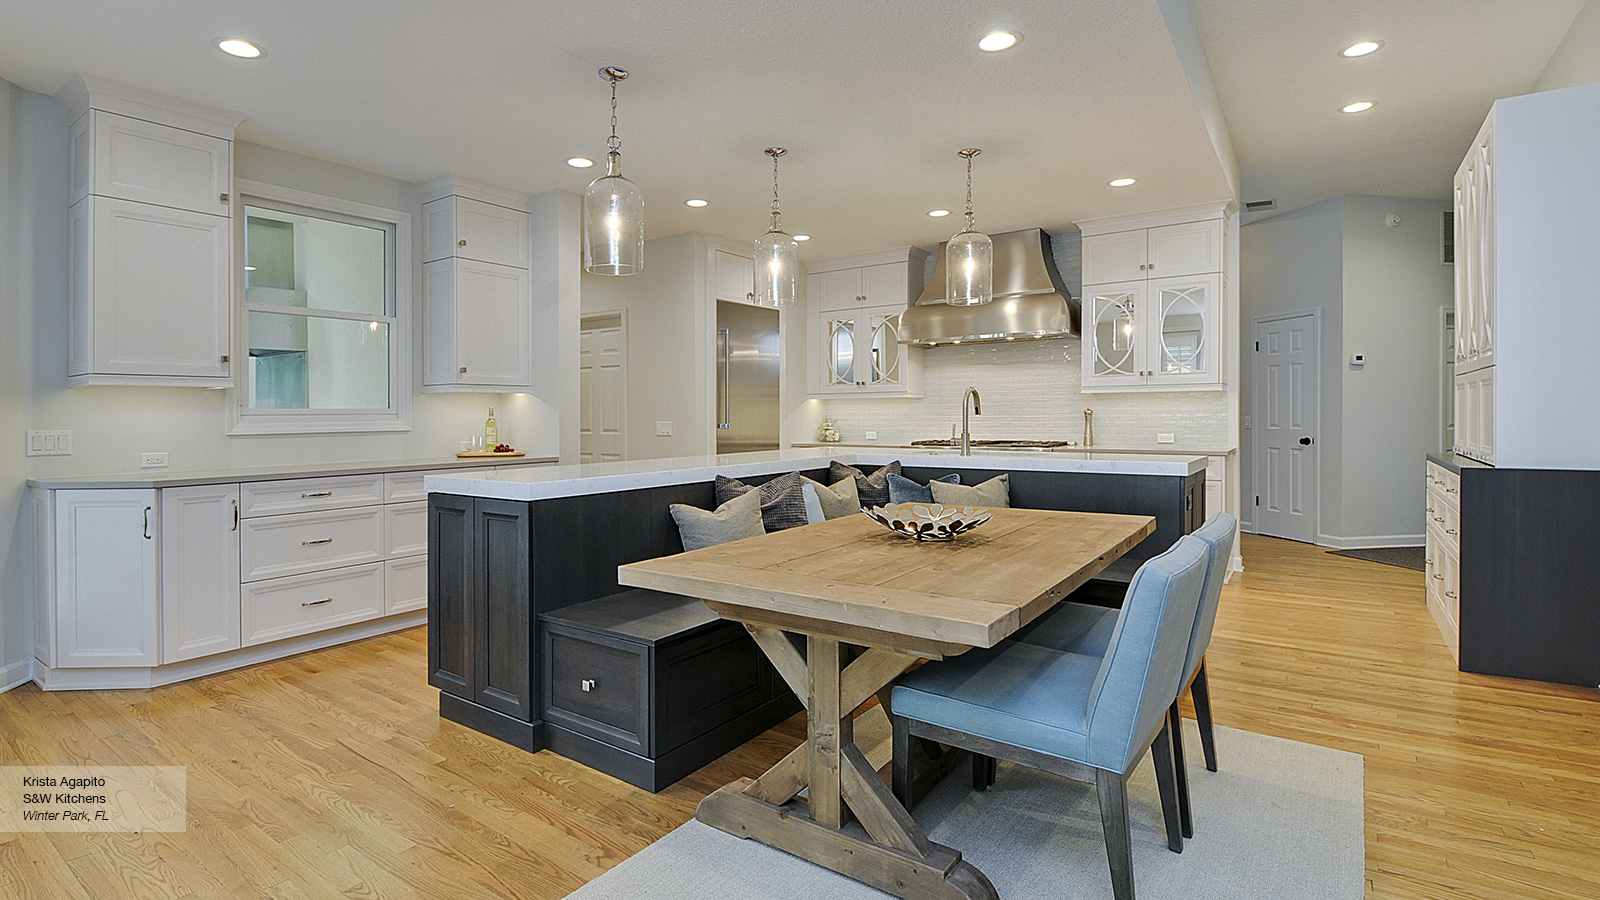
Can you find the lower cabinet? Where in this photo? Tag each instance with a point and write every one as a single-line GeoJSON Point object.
{"type": "Point", "coordinates": [99, 601]}
{"type": "Point", "coordinates": [199, 571]}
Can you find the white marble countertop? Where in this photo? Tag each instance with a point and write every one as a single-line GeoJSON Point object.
{"type": "Point", "coordinates": [161, 478]}
{"type": "Point", "coordinates": [1158, 450]}
{"type": "Point", "coordinates": [599, 478]}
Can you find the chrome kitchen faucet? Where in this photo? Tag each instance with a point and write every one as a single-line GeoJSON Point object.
{"type": "Point", "coordinates": [977, 410]}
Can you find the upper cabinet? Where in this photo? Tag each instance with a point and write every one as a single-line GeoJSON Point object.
{"type": "Point", "coordinates": [1155, 301]}
{"type": "Point", "coordinates": [855, 314]}
{"type": "Point", "coordinates": [150, 270]}
{"type": "Point", "coordinates": [477, 293]}
{"type": "Point", "coordinates": [734, 276]}
{"type": "Point", "coordinates": [1474, 253]}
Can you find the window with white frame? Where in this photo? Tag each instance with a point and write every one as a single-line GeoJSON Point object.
{"type": "Point", "coordinates": [324, 298]}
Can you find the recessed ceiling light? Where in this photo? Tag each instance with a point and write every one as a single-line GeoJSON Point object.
{"type": "Point", "coordinates": [580, 162]}
{"type": "Point", "coordinates": [696, 202]}
{"type": "Point", "coordinates": [1121, 182]}
{"type": "Point", "coordinates": [241, 49]}
{"type": "Point", "coordinates": [996, 41]}
{"type": "Point", "coordinates": [1358, 106]}
{"type": "Point", "coordinates": [938, 213]}
{"type": "Point", "coordinates": [1361, 49]}
{"type": "Point", "coordinates": [802, 237]}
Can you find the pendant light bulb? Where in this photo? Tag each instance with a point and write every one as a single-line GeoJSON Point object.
{"type": "Point", "coordinates": [613, 208]}
{"type": "Point", "coordinates": [777, 255]}
{"type": "Point", "coordinates": [969, 256]}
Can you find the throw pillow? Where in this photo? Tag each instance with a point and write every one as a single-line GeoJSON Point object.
{"type": "Point", "coordinates": [994, 493]}
{"type": "Point", "coordinates": [837, 501]}
{"type": "Point", "coordinates": [783, 502]}
{"type": "Point", "coordinates": [736, 519]}
{"type": "Point", "coordinates": [872, 490]}
{"type": "Point", "coordinates": [904, 490]}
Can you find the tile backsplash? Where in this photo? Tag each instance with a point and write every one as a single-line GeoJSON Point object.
{"type": "Point", "coordinates": [1031, 392]}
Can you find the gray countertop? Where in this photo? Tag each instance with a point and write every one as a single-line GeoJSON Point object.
{"type": "Point", "coordinates": [1456, 463]}
{"type": "Point", "coordinates": [163, 478]}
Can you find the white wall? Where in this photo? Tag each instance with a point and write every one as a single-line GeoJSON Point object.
{"type": "Point", "coordinates": [15, 352]}
{"type": "Point", "coordinates": [1577, 59]}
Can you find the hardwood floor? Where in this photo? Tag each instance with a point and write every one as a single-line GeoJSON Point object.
{"type": "Point", "coordinates": [331, 774]}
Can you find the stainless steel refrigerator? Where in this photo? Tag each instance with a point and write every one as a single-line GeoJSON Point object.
{"type": "Point", "coordinates": [747, 377]}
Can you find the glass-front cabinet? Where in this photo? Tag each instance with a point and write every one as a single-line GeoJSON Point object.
{"type": "Point", "coordinates": [862, 352]}
{"type": "Point", "coordinates": [1162, 332]}
{"type": "Point", "coordinates": [855, 308]}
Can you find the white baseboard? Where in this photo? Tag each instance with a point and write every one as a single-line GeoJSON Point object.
{"type": "Point", "coordinates": [1371, 541]}
{"type": "Point", "coordinates": [17, 674]}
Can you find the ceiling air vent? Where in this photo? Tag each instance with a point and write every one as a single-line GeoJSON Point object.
{"type": "Point", "coordinates": [1260, 205]}
{"type": "Point", "coordinates": [1447, 237]}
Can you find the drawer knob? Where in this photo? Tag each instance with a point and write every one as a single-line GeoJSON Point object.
{"type": "Point", "coordinates": [316, 602]}
{"type": "Point", "coordinates": [315, 494]}
{"type": "Point", "coordinates": [316, 542]}
{"type": "Point", "coordinates": [587, 684]}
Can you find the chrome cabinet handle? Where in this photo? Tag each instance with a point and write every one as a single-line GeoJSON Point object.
{"type": "Point", "coordinates": [1439, 519]}
{"type": "Point", "coordinates": [314, 494]}
{"type": "Point", "coordinates": [223, 198]}
{"type": "Point", "coordinates": [1450, 594]}
{"type": "Point", "coordinates": [461, 243]}
{"type": "Point", "coordinates": [1449, 490]}
{"type": "Point", "coordinates": [587, 684]}
{"type": "Point", "coordinates": [316, 542]}
{"type": "Point", "coordinates": [235, 515]}
{"type": "Point", "coordinates": [725, 363]}
{"type": "Point", "coordinates": [316, 602]}
{"type": "Point", "coordinates": [1449, 531]}
{"type": "Point", "coordinates": [147, 511]}
{"type": "Point", "coordinates": [1438, 576]}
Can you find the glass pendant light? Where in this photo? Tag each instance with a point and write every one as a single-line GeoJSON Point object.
{"type": "Point", "coordinates": [969, 257]}
{"type": "Point", "coordinates": [777, 257]}
{"type": "Point", "coordinates": [613, 208]}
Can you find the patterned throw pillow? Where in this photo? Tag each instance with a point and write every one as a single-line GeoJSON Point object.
{"type": "Point", "coordinates": [904, 490]}
{"type": "Point", "coordinates": [872, 490]}
{"type": "Point", "coordinates": [837, 501]}
{"type": "Point", "coordinates": [994, 493]}
{"type": "Point", "coordinates": [738, 518]}
{"type": "Point", "coordinates": [783, 500]}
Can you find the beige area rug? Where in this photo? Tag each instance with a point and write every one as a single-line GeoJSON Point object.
{"type": "Point", "coordinates": [1280, 820]}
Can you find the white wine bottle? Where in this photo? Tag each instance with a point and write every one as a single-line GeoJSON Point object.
{"type": "Point", "coordinates": [491, 432]}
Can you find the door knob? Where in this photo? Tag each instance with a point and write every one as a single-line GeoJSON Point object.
{"type": "Point", "coordinates": [1305, 442]}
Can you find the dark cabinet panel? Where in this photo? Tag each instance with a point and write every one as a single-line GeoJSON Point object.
{"type": "Point", "coordinates": [500, 600]}
{"type": "Point", "coordinates": [597, 685]}
{"type": "Point", "coordinates": [450, 609]}
{"type": "Point", "coordinates": [708, 680]}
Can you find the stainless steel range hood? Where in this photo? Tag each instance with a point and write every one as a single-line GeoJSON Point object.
{"type": "Point", "coordinates": [1030, 300]}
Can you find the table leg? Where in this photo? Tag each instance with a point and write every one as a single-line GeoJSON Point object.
{"type": "Point", "coordinates": [839, 778]}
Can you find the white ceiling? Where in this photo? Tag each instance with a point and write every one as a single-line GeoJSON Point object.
{"type": "Point", "coordinates": [1282, 81]}
{"type": "Point", "coordinates": [872, 97]}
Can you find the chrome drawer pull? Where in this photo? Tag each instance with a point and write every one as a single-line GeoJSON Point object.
{"type": "Point", "coordinates": [1449, 490]}
{"type": "Point", "coordinates": [1438, 576]}
{"type": "Point", "coordinates": [315, 494]}
{"type": "Point", "coordinates": [1449, 531]}
{"type": "Point", "coordinates": [316, 602]}
{"type": "Point", "coordinates": [587, 684]}
{"type": "Point", "coordinates": [315, 542]}
{"type": "Point", "coordinates": [1450, 594]}
{"type": "Point", "coordinates": [1438, 518]}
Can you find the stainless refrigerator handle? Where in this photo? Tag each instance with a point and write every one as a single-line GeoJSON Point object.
{"type": "Point", "coordinates": [724, 352]}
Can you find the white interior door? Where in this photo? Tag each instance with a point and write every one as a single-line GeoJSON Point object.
{"type": "Point", "coordinates": [602, 378]}
{"type": "Point", "coordinates": [1284, 436]}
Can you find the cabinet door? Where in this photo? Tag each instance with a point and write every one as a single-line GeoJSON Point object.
{"type": "Point", "coordinates": [500, 596]}
{"type": "Point", "coordinates": [107, 608]}
{"type": "Point", "coordinates": [157, 164]}
{"type": "Point", "coordinates": [735, 277]}
{"type": "Point", "coordinates": [840, 289]}
{"type": "Point", "coordinates": [493, 325]}
{"type": "Point", "coordinates": [885, 362]}
{"type": "Point", "coordinates": [1113, 345]}
{"type": "Point", "coordinates": [156, 301]}
{"type": "Point", "coordinates": [1466, 419]}
{"type": "Point", "coordinates": [1468, 255]}
{"type": "Point", "coordinates": [489, 233]}
{"type": "Point", "coordinates": [1193, 248]}
{"type": "Point", "coordinates": [1460, 266]}
{"type": "Point", "coordinates": [199, 571]}
{"type": "Point", "coordinates": [1184, 338]}
{"type": "Point", "coordinates": [1484, 323]}
{"type": "Point", "coordinates": [840, 372]}
{"type": "Point", "coordinates": [886, 285]}
{"type": "Point", "coordinates": [452, 616]}
{"type": "Point", "coordinates": [1114, 257]}
{"type": "Point", "coordinates": [1485, 413]}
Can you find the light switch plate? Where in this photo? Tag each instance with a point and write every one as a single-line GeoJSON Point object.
{"type": "Point", "coordinates": [872, 435]}
{"type": "Point", "coordinates": [48, 443]}
{"type": "Point", "coordinates": [1164, 438]}
{"type": "Point", "coordinates": [153, 460]}
{"type": "Point", "coordinates": [663, 428]}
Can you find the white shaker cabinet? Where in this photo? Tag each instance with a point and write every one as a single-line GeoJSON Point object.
{"type": "Point", "coordinates": [735, 276]}
{"type": "Point", "coordinates": [99, 604]}
{"type": "Point", "coordinates": [461, 227]}
{"type": "Point", "coordinates": [855, 322]}
{"type": "Point", "coordinates": [199, 571]}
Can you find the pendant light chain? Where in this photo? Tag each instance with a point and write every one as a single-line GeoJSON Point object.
{"type": "Point", "coordinates": [775, 152]}
{"type": "Point", "coordinates": [614, 142]}
{"type": "Point", "coordinates": [968, 154]}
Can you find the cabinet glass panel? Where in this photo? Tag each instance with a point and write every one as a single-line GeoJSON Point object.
{"type": "Point", "coordinates": [309, 362]}
{"type": "Point", "coordinates": [1114, 336]}
{"type": "Point", "coordinates": [314, 263]}
{"type": "Point", "coordinates": [841, 351]}
{"type": "Point", "coordinates": [1183, 330]}
{"type": "Point", "coordinates": [886, 350]}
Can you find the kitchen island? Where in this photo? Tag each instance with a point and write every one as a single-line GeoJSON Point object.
{"type": "Point", "coordinates": [533, 641]}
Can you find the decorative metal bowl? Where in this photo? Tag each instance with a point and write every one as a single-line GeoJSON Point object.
{"type": "Point", "coordinates": [928, 522]}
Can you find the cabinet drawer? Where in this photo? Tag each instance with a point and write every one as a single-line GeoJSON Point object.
{"type": "Point", "coordinates": [405, 528]}
{"type": "Point", "coordinates": [266, 498]}
{"type": "Point", "coordinates": [404, 487]}
{"type": "Point", "coordinates": [595, 684]}
{"type": "Point", "coordinates": [406, 583]}
{"type": "Point", "coordinates": [307, 542]}
{"type": "Point", "coordinates": [301, 604]}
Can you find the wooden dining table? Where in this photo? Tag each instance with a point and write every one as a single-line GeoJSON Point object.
{"type": "Point", "coordinates": [869, 605]}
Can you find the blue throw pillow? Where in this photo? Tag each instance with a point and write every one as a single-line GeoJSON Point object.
{"type": "Point", "coordinates": [904, 490]}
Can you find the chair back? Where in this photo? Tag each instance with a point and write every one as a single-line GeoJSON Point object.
{"type": "Point", "coordinates": [1144, 662]}
{"type": "Point", "coordinates": [1218, 533]}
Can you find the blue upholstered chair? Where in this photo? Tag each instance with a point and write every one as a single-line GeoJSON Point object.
{"type": "Point", "coordinates": [1089, 718]}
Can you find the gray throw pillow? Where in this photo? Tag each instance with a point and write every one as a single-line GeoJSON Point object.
{"type": "Point", "coordinates": [783, 502]}
{"type": "Point", "coordinates": [736, 519]}
{"type": "Point", "coordinates": [994, 493]}
{"type": "Point", "coordinates": [904, 490]}
{"type": "Point", "coordinates": [836, 501]}
{"type": "Point", "coordinates": [872, 490]}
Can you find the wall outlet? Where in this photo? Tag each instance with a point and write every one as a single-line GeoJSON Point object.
{"type": "Point", "coordinates": [1165, 439]}
{"type": "Point", "coordinates": [872, 435]}
{"type": "Point", "coordinates": [48, 443]}
{"type": "Point", "coordinates": [153, 460]}
{"type": "Point", "coordinates": [663, 428]}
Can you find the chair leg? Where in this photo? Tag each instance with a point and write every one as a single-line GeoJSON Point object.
{"type": "Point", "coordinates": [903, 773]}
{"type": "Point", "coordinates": [980, 771]}
{"type": "Point", "coordinates": [1201, 694]}
{"type": "Point", "coordinates": [1166, 780]}
{"type": "Point", "coordinates": [1175, 723]}
{"type": "Point", "coordinates": [1113, 791]}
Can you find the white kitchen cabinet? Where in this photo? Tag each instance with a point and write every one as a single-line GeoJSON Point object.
{"type": "Point", "coordinates": [477, 291]}
{"type": "Point", "coordinates": [1186, 248]}
{"type": "Point", "coordinates": [199, 571]}
{"type": "Point", "coordinates": [150, 249]}
{"type": "Point", "coordinates": [1161, 333]}
{"type": "Point", "coordinates": [103, 599]}
{"type": "Point", "coordinates": [735, 276]}
{"type": "Point", "coordinates": [855, 313]}
{"type": "Point", "coordinates": [1475, 253]}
